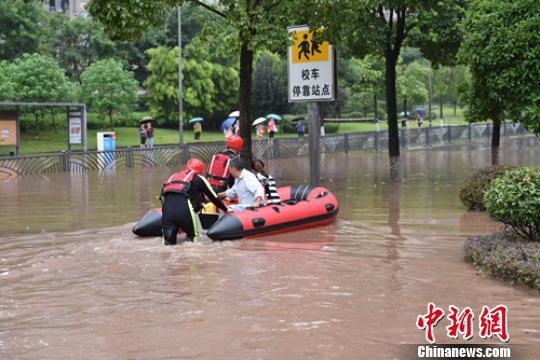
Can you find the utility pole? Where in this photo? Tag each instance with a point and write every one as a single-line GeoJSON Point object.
{"type": "Point", "coordinates": [430, 97]}
{"type": "Point", "coordinates": [180, 89]}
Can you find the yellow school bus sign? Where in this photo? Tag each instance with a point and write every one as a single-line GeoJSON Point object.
{"type": "Point", "coordinates": [308, 48]}
{"type": "Point", "coordinates": [311, 75]}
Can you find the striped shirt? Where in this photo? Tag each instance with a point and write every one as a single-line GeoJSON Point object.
{"type": "Point", "coordinates": [270, 189]}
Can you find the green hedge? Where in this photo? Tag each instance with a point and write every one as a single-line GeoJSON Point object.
{"type": "Point", "coordinates": [474, 187]}
{"type": "Point", "coordinates": [506, 257]}
{"type": "Point", "coordinates": [514, 200]}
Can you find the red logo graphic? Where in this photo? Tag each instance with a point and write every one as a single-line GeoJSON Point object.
{"type": "Point", "coordinates": [492, 321]}
{"type": "Point", "coordinates": [429, 321]}
{"type": "Point", "coordinates": [460, 323]}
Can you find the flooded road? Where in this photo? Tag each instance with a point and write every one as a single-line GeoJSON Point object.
{"type": "Point", "coordinates": [75, 283]}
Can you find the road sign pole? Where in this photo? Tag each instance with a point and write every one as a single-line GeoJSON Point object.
{"type": "Point", "coordinates": [314, 143]}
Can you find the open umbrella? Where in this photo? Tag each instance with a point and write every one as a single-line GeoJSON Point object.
{"type": "Point", "coordinates": [196, 120]}
{"type": "Point", "coordinates": [146, 119]}
{"type": "Point", "coordinates": [258, 121]}
{"type": "Point", "coordinates": [235, 114]}
{"type": "Point", "coordinates": [274, 117]}
{"type": "Point", "coordinates": [420, 111]}
{"type": "Point", "coordinates": [228, 123]}
{"type": "Point", "coordinates": [297, 118]}
{"type": "Point", "coordinates": [402, 114]}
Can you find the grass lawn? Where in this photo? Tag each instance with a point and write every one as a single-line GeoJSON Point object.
{"type": "Point", "coordinates": [48, 141]}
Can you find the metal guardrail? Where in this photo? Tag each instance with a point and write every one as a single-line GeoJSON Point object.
{"type": "Point", "coordinates": [174, 155]}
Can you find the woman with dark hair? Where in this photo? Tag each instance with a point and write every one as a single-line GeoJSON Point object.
{"type": "Point", "coordinates": [267, 181]}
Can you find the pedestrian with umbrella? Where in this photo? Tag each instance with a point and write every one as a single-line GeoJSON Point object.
{"type": "Point", "coordinates": [236, 125]}
{"type": "Point", "coordinates": [143, 130]}
{"type": "Point", "coordinates": [272, 127]}
{"type": "Point", "coordinates": [404, 119]}
{"type": "Point", "coordinates": [227, 126]}
{"type": "Point", "coordinates": [197, 127]}
{"type": "Point", "coordinates": [259, 123]}
{"type": "Point", "coordinates": [300, 127]}
{"type": "Point", "coordinates": [420, 114]}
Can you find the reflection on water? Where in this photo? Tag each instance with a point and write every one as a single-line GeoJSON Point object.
{"type": "Point", "coordinates": [75, 283]}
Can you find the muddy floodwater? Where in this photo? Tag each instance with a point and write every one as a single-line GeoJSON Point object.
{"type": "Point", "coordinates": [75, 283]}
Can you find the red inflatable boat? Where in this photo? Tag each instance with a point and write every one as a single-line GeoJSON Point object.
{"type": "Point", "coordinates": [302, 207]}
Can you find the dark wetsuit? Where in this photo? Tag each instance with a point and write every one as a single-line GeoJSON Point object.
{"type": "Point", "coordinates": [179, 211]}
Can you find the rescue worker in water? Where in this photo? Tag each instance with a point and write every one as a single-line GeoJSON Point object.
{"type": "Point", "coordinates": [219, 171]}
{"type": "Point", "coordinates": [183, 194]}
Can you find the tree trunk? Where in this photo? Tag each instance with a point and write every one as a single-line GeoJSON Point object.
{"type": "Point", "coordinates": [391, 105]}
{"type": "Point", "coordinates": [495, 142]}
{"type": "Point", "coordinates": [441, 109]}
{"type": "Point", "coordinates": [36, 123]}
{"type": "Point", "coordinates": [246, 71]}
{"type": "Point", "coordinates": [53, 118]}
{"type": "Point", "coordinates": [110, 114]}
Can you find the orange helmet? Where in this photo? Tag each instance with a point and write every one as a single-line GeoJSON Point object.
{"type": "Point", "coordinates": [235, 142]}
{"type": "Point", "coordinates": [196, 165]}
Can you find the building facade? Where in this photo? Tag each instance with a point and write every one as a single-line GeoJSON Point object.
{"type": "Point", "coordinates": [71, 8]}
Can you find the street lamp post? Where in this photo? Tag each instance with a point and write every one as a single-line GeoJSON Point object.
{"type": "Point", "coordinates": [180, 89]}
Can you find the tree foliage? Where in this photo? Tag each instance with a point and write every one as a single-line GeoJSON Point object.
{"type": "Point", "coordinates": [502, 49]}
{"type": "Point", "coordinates": [384, 27]}
{"type": "Point", "coordinates": [269, 85]}
{"type": "Point", "coordinates": [80, 42]}
{"type": "Point", "coordinates": [39, 78]}
{"type": "Point", "coordinates": [258, 25]}
{"type": "Point", "coordinates": [107, 88]}
{"type": "Point", "coordinates": [20, 30]}
{"type": "Point", "coordinates": [209, 88]}
{"type": "Point", "coordinates": [7, 87]}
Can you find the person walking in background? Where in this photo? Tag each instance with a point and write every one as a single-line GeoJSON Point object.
{"type": "Point", "coordinates": [404, 121]}
{"type": "Point", "coordinates": [419, 120]}
{"type": "Point", "coordinates": [300, 128]}
{"type": "Point", "coordinates": [272, 128]}
{"type": "Point", "coordinates": [149, 135]}
{"type": "Point", "coordinates": [142, 134]}
{"type": "Point", "coordinates": [229, 131]}
{"type": "Point", "coordinates": [260, 131]}
{"type": "Point", "coordinates": [197, 130]}
{"type": "Point", "coordinates": [323, 133]}
{"type": "Point", "coordinates": [236, 127]}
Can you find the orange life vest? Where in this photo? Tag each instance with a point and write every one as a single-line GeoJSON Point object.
{"type": "Point", "coordinates": [219, 170]}
{"type": "Point", "coordinates": [179, 182]}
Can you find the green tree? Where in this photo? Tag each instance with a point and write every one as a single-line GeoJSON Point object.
{"type": "Point", "coordinates": [448, 84]}
{"type": "Point", "coordinates": [163, 34]}
{"type": "Point", "coordinates": [39, 78]}
{"type": "Point", "coordinates": [384, 27]}
{"type": "Point", "coordinates": [78, 43]}
{"type": "Point", "coordinates": [502, 49]}
{"type": "Point", "coordinates": [258, 24]}
{"type": "Point", "coordinates": [107, 88]}
{"type": "Point", "coordinates": [363, 79]}
{"type": "Point", "coordinates": [269, 88]}
{"type": "Point", "coordinates": [20, 27]}
{"type": "Point", "coordinates": [208, 86]}
{"type": "Point", "coordinates": [412, 82]}
{"type": "Point", "coordinates": [7, 87]}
